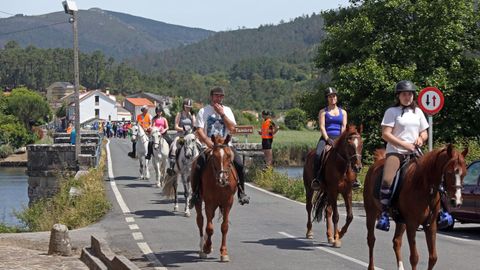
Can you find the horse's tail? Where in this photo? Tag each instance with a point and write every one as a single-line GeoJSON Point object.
{"type": "Point", "coordinates": [168, 189]}
{"type": "Point", "coordinates": [379, 154]}
{"type": "Point", "coordinates": [319, 204]}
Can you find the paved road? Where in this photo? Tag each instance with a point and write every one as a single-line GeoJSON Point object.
{"type": "Point", "coordinates": [267, 234]}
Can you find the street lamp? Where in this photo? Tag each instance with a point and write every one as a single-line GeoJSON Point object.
{"type": "Point", "coordinates": [70, 7]}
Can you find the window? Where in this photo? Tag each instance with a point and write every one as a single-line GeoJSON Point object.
{"type": "Point", "coordinates": [97, 100]}
{"type": "Point", "coordinates": [97, 113]}
{"type": "Point", "coordinates": [473, 174]}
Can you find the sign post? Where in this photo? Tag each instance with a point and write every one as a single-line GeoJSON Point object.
{"type": "Point", "coordinates": [431, 101]}
{"type": "Point", "coordinates": [246, 130]}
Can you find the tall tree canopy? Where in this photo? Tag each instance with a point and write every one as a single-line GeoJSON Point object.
{"type": "Point", "coordinates": [28, 106]}
{"type": "Point", "coordinates": [373, 44]}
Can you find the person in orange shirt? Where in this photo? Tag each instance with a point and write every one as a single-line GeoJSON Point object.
{"type": "Point", "coordinates": [269, 129]}
{"type": "Point", "coordinates": [145, 121]}
{"type": "Point", "coordinates": [69, 128]}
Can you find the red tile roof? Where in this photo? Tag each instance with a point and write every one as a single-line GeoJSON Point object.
{"type": "Point", "coordinates": [140, 102]}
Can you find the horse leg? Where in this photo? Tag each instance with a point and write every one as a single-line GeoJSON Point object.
{"type": "Point", "coordinates": [397, 244]}
{"type": "Point", "coordinates": [210, 213]}
{"type": "Point", "coordinates": [141, 167]}
{"type": "Point", "coordinates": [332, 198]}
{"type": "Point", "coordinates": [147, 171]}
{"type": "Point", "coordinates": [198, 209]}
{"type": "Point", "coordinates": [347, 198]}
{"type": "Point", "coordinates": [411, 231]}
{"type": "Point", "coordinates": [329, 224]}
{"type": "Point", "coordinates": [430, 235]}
{"type": "Point", "coordinates": [156, 166]}
{"type": "Point", "coordinates": [308, 206]}
{"type": "Point", "coordinates": [223, 249]}
{"type": "Point", "coordinates": [370, 220]}
{"type": "Point", "coordinates": [175, 189]}
{"type": "Point", "coordinates": [187, 193]}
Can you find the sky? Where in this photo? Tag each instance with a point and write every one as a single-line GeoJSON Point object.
{"type": "Point", "coordinates": [216, 15]}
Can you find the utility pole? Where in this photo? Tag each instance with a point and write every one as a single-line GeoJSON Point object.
{"type": "Point", "coordinates": [70, 7]}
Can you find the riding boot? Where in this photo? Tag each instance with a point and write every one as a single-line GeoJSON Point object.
{"type": "Point", "coordinates": [384, 221]}
{"type": "Point", "coordinates": [134, 150]}
{"type": "Point", "coordinates": [238, 163]}
{"type": "Point", "coordinates": [197, 180]}
{"type": "Point", "coordinates": [150, 151]}
{"type": "Point", "coordinates": [316, 174]}
{"type": "Point", "coordinates": [171, 169]}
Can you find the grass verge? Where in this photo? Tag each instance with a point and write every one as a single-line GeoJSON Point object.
{"type": "Point", "coordinates": [73, 211]}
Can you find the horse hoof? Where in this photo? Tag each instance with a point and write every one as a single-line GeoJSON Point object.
{"type": "Point", "coordinates": [175, 208]}
{"type": "Point", "coordinates": [337, 244]}
{"type": "Point", "coordinates": [224, 258]}
{"type": "Point", "coordinates": [309, 235]}
{"type": "Point", "coordinates": [187, 214]}
{"type": "Point", "coordinates": [330, 240]}
{"type": "Point", "coordinates": [203, 255]}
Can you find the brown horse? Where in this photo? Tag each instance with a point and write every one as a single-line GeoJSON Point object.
{"type": "Point", "coordinates": [219, 184]}
{"type": "Point", "coordinates": [341, 164]}
{"type": "Point", "coordinates": [418, 201]}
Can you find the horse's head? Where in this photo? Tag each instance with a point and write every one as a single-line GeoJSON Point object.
{"type": "Point", "coordinates": [453, 173]}
{"type": "Point", "coordinates": [222, 160]}
{"type": "Point", "coordinates": [134, 132]}
{"type": "Point", "coordinates": [190, 146]}
{"type": "Point", "coordinates": [352, 144]}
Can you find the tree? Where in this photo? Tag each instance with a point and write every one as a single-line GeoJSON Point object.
{"type": "Point", "coordinates": [373, 44]}
{"type": "Point", "coordinates": [13, 133]}
{"type": "Point", "coordinates": [28, 106]}
{"type": "Point", "coordinates": [295, 119]}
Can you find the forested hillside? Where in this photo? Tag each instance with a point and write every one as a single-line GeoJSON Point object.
{"type": "Point", "coordinates": [115, 34]}
{"type": "Point", "coordinates": [289, 42]}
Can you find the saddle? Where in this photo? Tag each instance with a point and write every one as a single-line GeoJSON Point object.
{"type": "Point", "coordinates": [397, 184]}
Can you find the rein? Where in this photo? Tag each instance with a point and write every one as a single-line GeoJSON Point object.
{"type": "Point", "coordinates": [348, 160]}
{"type": "Point", "coordinates": [218, 172]}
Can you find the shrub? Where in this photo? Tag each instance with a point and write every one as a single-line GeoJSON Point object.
{"type": "Point", "coordinates": [295, 119]}
{"type": "Point", "coordinates": [5, 150]}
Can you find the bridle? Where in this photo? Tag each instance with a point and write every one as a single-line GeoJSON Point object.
{"type": "Point", "coordinates": [222, 175]}
{"type": "Point", "coordinates": [350, 159]}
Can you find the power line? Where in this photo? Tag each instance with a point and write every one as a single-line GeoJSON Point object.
{"type": "Point", "coordinates": [29, 29]}
{"type": "Point", "coordinates": [7, 13]}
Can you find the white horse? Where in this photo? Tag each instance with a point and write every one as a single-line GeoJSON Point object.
{"type": "Point", "coordinates": [139, 135]}
{"type": "Point", "coordinates": [160, 156]}
{"type": "Point", "coordinates": [185, 155]}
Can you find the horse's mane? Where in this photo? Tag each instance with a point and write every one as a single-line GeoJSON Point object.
{"type": "Point", "coordinates": [348, 131]}
{"type": "Point", "coordinates": [379, 154]}
{"type": "Point", "coordinates": [425, 166]}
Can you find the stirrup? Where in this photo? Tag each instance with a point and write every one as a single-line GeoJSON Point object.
{"type": "Point", "coordinates": [243, 199]}
{"type": "Point", "coordinates": [315, 185]}
{"type": "Point", "coordinates": [383, 222]}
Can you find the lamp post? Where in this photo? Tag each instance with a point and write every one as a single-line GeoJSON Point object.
{"type": "Point", "coordinates": [70, 7]}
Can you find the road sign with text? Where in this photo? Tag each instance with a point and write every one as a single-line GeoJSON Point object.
{"type": "Point", "coordinates": [430, 100]}
{"type": "Point", "coordinates": [244, 130]}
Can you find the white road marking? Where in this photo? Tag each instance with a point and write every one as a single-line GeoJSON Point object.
{"type": "Point", "coordinates": [133, 227]}
{"type": "Point", "coordinates": [136, 235]}
{"type": "Point", "coordinates": [151, 257]}
{"type": "Point", "coordinates": [328, 250]}
{"type": "Point", "coordinates": [273, 194]}
{"type": "Point", "coordinates": [129, 219]}
{"type": "Point", "coordinates": [111, 177]}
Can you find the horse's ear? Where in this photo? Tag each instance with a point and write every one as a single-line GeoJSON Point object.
{"type": "Point", "coordinates": [449, 149]}
{"type": "Point", "coordinates": [465, 152]}
{"type": "Point", "coordinates": [227, 140]}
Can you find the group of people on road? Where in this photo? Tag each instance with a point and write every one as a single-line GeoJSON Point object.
{"type": "Point", "coordinates": [404, 128]}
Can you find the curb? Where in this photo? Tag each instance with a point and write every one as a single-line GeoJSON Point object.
{"type": "Point", "coordinates": [100, 257]}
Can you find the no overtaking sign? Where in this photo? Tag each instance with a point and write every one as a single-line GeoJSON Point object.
{"type": "Point", "coordinates": [430, 100]}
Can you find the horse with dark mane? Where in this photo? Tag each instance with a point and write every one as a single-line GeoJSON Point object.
{"type": "Point", "coordinates": [426, 179]}
{"type": "Point", "coordinates": [218, 186]}
{"type": "Point", "coordinates": [341, 164]}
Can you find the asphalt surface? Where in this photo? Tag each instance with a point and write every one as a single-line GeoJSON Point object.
{"type": "Point", "coordinates": [269, 233]}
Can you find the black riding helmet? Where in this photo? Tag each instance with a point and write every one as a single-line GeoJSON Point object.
{"type": "Point", "coordinates": [187, 103]}
{"type": "Point", "coordinates": [405, 86]}
{"type": "Point", "coordinates": [330, 91]}
{"type": "Point", "coordinates": [159, 108]}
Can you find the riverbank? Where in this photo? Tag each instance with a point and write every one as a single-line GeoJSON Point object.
{"type": "Point", "coordinates": [15, 160]}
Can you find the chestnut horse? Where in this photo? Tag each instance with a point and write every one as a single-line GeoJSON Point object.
{"type": "Point", "coordinates": [341, 164]}
{"type": "Point", "coordinates": [218, 186]}
{"type": "Point", "coordinates": [425, 180]}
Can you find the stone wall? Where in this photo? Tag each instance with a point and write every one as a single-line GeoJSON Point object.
{"type": "Point", "coordinates": [48, 164]}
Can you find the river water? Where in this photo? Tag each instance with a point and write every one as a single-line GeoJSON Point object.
{"type": "Point", "coordinates": [292, 172]}
{"type": "Point", "coordinates": [13, 193]}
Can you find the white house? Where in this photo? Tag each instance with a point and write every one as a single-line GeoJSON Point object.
{"type": "Point", "coordinates": [94, 105]}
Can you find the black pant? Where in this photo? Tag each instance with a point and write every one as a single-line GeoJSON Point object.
{"type": "Point", "coordinates": [237, 162]}
{"type": "Point", "coordinates": [318, 153]}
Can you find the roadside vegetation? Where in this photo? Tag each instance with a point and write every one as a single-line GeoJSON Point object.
{"type": "Point", "coordinates": [74, 211]}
